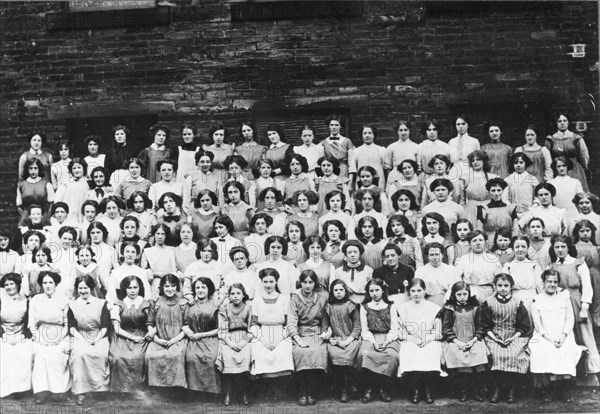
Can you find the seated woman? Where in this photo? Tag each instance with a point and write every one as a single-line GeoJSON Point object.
{"type": "Point", "coordinates": [554, 353]}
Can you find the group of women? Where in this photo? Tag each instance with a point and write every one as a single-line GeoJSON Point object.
{"type": "Point", "coordinates": [209, 266]}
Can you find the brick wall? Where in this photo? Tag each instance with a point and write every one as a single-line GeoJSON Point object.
{"type": "Point", "coordinates": [398, 60]}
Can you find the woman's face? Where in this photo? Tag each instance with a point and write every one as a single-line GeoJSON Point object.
{"type": "Point", "coordinates": [160, 237]}
{"type": "Point", "coordinates": [160, 137]}
{"type": "Point", "coordinates": [440, 167]}
{"type": "Point", "coordinates": [83, 290]}
{"type": "Point", "coordinates": [41, 258]}
{"type": "Point", "coordinates": [561, 168]}
{"type": "Point", "coordinates": [333, 233]}
{"type": "Point", "coordinates": [339, 292]}
{"type": "Point", "coordinates": [112, 209]}
{"type": "Point", "coordinates": [417, 293]}
{"type": "Point", "coordinates": [63, 152]}
{"type": "Point", "coordinates": [545, 197]}
{"type": "Point", "coordinates": [403, 132]}
{"type": "Point", "coordinates": [368, 230]}
{"type": "Point", "coordinates": [48, 285]}
{"type": "Point", "coordinates": [77, 171]}
{"type": "Point", "coordinates": [120, 136]}
{"type": "Point", "coordinates": [169, 205]}
{"type": "Point", "coordinates": [461, 126]}
{"type": "Point", "coordinates": [366, 178]}
{"type": "Point", "coordinates": [188, 135]}
{"type": "Point", "coordinates": [206, 203]}
{"type": "Point", "coordinates": [265, 170]}
{"type": "Point", "coordinates": [276, 250]}
{"type": "Point", "coordinates": [307, 286]}
{"type": "Point", "coordinates": [134, 170]}
{"type": "Point", "coordinates": [96, 236]}
{"type": "Point", "coordinates": [375, 292]}
{"type": "Point", "coordinates": [551, 284]}
{"type": "Point", "coordinates": [247, 133]}
{"type": "Point", "coordinates": [352, 254]}
{"type": "Point", "coordinates": [477, 164]}
{"type": "Point", "coordinates": [477, 244]}
{"type": "Point", "coordinates": [11, 288]}
{"type": "Point", "coordinates": [169, 290]}
{"type": "Point", "coordinates": [133, 290]}
{"type": "Point", "coordinates": [218, 137]}
{"type": "Point", "coordinates": [36, 142]}
{"type": "Point", "coordinates": [408, 170]}
{"type": "Point", "coordinates": [585, 206]}
{"type": "Point", "coordinates": [307, 137]}
{"type": "Point", "coordinates": [93, 148]}
{"type": "Point", "coordinates": [435, 256]}
{"type": "Point", "coordinates": [334, 127]}
{"type": "Point", "coordinates": [204, 163]}
{"type": "Point", "coordinates": [186, 234]}
{"type": "Point", "coordinates": [368, 136]}
{"type": "Point", "coordinates": [503, 287]}
{"type": "Point", "coordinates": [404, 203]}
{"type": "Point", "coordinates": [530, 137]}
{"type": "Point", "coordinates": [391, 258]}
{"type": "Point", "coordinates": [335, 202]}
{"type": "Point", "coordinates": [33, 170]}
{"type": "Point", "coordinates": [260, 226]}
{"type": "Point", "coordinates": [139, 204]}
{"type": "Point", "coordinates": [295, 167]}
{"type": "Point", "coordinates": [303, 203]}
{"type": "Point", "coordinates": [441, 193]}
{"type": "Point", "coordinates": [536, 229]}
{"type": "Point", "coordinates": [129, 229]}
{"type": "Point", "coordinates": [561, 249]}
{"type": "Point", "coordinates": [585, 234]}
{"type": "Point", "coordinates": [233, 194]}
{"type": "Point", "coordinates": [166, 172]}
{"type": "Point", "coordinates": [432, 225]}
{"type": "Point", "coordinates": [294, 234]}
{"type": "Point", "coordinates": [521, 248]}
{"type": "Point", "coordinates": [367, 201]}
{"type": "Point", "coordinates": [66, 240]}
{"type": "Point", "coordinates": [397, 228]}
{"type": "Point", "coordinates": [270, 200]}
{"type": "Point", "coordinates": [502, 242]}
{"type": "Point", "coordinates": [327, 168]}
{"type": "Point", "coordinates": [234, 170]}
{"type": "Point", "coordinates": [4, 241]}
{"type": "Point", "coordinates": [240, 261]}
{"type": "Point", "coordinates": [274, 137]}
{"type": "Point", "coordinates": [269, 283]}
{"type": "Point", "coordinates": [520, 165]}
{"type": "Point", "coordinates": [236, 296]}
{"type": "Point", "coordinates": [60, 214]}
{"type": "Point", "coordinates": [206, 254]}
{"type": "Point", "coordinates": [36, 215]}
{"type": "Point", "coordinates": [98, 178]}
{"type": "Point", "coordinates": [201, 291]}
{"type": "Point", "coordinates": [462, 229]}
{"type": "Point", "coordinates": [129, 254]}
{"type": "Point", "coordinates": [494, 133]}
{"type": "Point", "coordinates": [221, 230]}
{"type": "Point", "coordinates": [562, 123]}
{"type": "Point", "coordinates": [496, 193]}
{"type": "Point", "coordinates": [431, 132]}
{"type": "Point", "coordinates": [315, 250]}
{"type": "Point", "coordinates": [33, 242]}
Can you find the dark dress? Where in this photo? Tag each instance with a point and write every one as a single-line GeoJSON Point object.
{"type": "Point", "coordinates": [344, 320]}
{"type": "Point", "coordinates": [384, 362]}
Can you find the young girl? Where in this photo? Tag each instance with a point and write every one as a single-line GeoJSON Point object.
{"type": "Point", "coordinates": [105, 255]}
{"type": "Point", "coordinates": [506, 323]}
{"type": "Point", "coordinates": [584, 237]}
{"type": "Point", "coordinates": [250, 149]}
{"type": "Point", "coordinates": [41, 260]}
{"type": "Point", "coordinates": [272, 200]}
{"type": "Point", "coordinates": [170, 212]}
{"type": "Point", "coordinates": [236, 209]}
{"type": "Point", "coordinates": [462, 228]}
{"type": "Point", "coordinates": [207, 265]}
{"type": "Point", "coordinates": [370, 235]}
{"type": "Point", "coordinates": [295, 235]}
{"type": "Point", "coordinates": [309, 150]}
{"type": "Point", "coordinates": [159, 258]}
{"type": "Point", "coordinates": [130, 226]}
{"type": "Point", "coordinates": [165, 356]}
{"type": "Point", "coordinates": [74, 192]}
{"type": "Point", "coordinates": [313, 248]}
{"type": "Point", "coordinates": [354, 272]}
{"type": "Point", "coordinates": [402, 149]}
{"type": "Point", "coordinates": [525, 273]}
{"type": "Point", "coordinates": [35, 139]}
{"type": "Point", "coordinates": [566, 187]}
{"type": "Point", "coordinates": [329, 182]}
{"type": "Point", "coordinates": [140, 207]}
{"type": "Point", "coordinates": [521, 182]}
{"type": "Point", "coordinates": [368, 179]}
{"type": "Point", "coordinates": [205, 213]}
{"type": "Point", "coordinates": [464, 350]}
{"type": "Point", "coordinates": [586, 204]}
{"type": "Point", "coordinates": [438, 276]}
{"type": "Point", "coordinates": [265, 180]}
{"type": "Point", "coordinates": [32, 239]}
{"type": "Point", "coordinates": [461, 146]}
{"type": "Point", "coordinates": [186, 152]}
{"type": "Point", "coordinates": [496, 215]}
{"type": "Point", "coordinates": [404, 203]}
{"type": "Point", "coordinates": [116, 159]}
{"type": "Point", "coordinates": [86, 266]}
{"type": "Point", "coordinates": [334, 234]}
{"type": "Point", "coordinates": [278, 151]}
{"type": "Point", "coordinates": [200, 326]}
{"type": "Point", "coordinates": [431, 146]}
{"type": "Point", "coordinates": [155, 152]}
{"type": "Point", "coordinates": [554, 217]}
{"type": "Point", "coordinates": [58, 219]}
{"type": "Point", "coordinates": [133, 181]}
{"type": "Point", "coordinates": [60, 169]}
{"type": "Point", "coordinates": [405, 177]}
{"type": "Point", "coordinates": [110, 210]}
{"type": "Point", "coordinates": [476, 192]}
{"type": "Point", "coordinates": [224, 241]}
{"type": "Point", "coordinates": [93, 144]}
{"type": "Point", "coordinates": [305, 200]}
{"type": "Point", "coordinates": [167, 184]}
{"type": "Point", "coordinates": [298, 179]}
{"type": "Point", "coordinates": [334, 201]}
{"type": "Point", "coordinates": [130, 252]}
{"type": "Point", "coordinates": [498, 152]}
{"type": "Point", "coordinates": [100, 187]}
{"type": "Point", "coordinates": [235, 165]}
{"type": "Point", "coordinates": [368, 203]}
{"type": "Point", "coordinates": [305, 320]}
{"type": "Point", "coordinates": [441, 166]}
{"type": "Point", "coordinates": [342, 319]}
{"type": "Point", "coordinates": [401, 232]}
{"type": "Point", "coordinates": [541, 159]}
{"type": "Point", "coordinates": [442, 188]}
{"type": "Point", "coordinates": [378, 356]}
{"type": "Point", "coordinates": [435, 229]}
{"type": "Point", "coordinates": [539, 244]}
{"type": "Point", "coordinates": [276, 248]}
{"type": "Point", "coordinates": [235, 352]}
{"type": "Point", "coordinates": [217, 134]}
{"type": "Point", "coordinates": [243, 273]}
{"type": "Point", "coordinates": [501, 246]}
{"type": "Point", "coordinates": [185, 251]}
{"type": "Point", "coordinates": [255, 242]}
{"type": "Point", "coordinates": [203, 178]}
{"type": "Point", "coordinates": [336, 145]}
{"type": "Point", "coordinates": [420, 348]}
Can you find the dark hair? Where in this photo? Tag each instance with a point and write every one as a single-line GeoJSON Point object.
{"type": "Point", "coordinates": [240, 249]}
{"type": "Point", "coordinates": [29, 162]}
{"type": "Point", "coordinates": [400, 218]}
{"type": "Point", "coordinates": [235, 159]}
{"type": "Point", "coordinates": [550, 272]}
{"type": "Point", "coordinates": [80, 161]}
{"type": "Point", "coordinates": [559, 238]}
{"type": "Point", "coordinates": [58, 205]}
{"type": "Point", "coordinates": [164, 161]}
{"type": "Point", "coordinates": [496, 182]}
{"type": "Point", "coordinates": [415, 282]}
{"type": "Point", "coordinates": [193, 227]}
{"type": "Point", "coordinates": [276, 192]}
{"type": "Point", "coordinates": [504, 276]}
{"type": "Point", "coordinates": [412, 163]}
{"type": "Point", "coordinates": [534, 128]}
{"type": "Point", "coordinates": [239, 186]}
{"type": "Point", "coordinates": [506, 233]}
{"type": "Point", "coordinates": [545, 186]}
{"type": "Point", "coordinates": [92, 183]}
{"type": "Point", "coordinates": [123, 128]}
{"type": "Point", "coordinates": [337, 224]}
{"type": "Point", "coordinates": [377, 230]}
{"type": "Point", "coordinates": [391, 246]}
{"type": "Point", "coordinates": [437, 124]}
{"type": "Point", "coordinates": [313, 198]}
{"type": "Point", "coordinates": [203, 244]}
{"type": "Point", "coordinates": [277, 128]}
{"type": "Point", "coordinates": [166, 229]}
{"type": "Point", "coordinates": [594, 199]}
{"type": "Point", "coordinates": [372, 171]}
{"type": "Point", "coordinates": [443, 231]}
{"type": "Point", "coordinates": [144, 195]}
{"type": "Point", "coordinates": [332, 298]}
{"type": "Point", "coordinates": [104, 202]}
{"type": "Point", "coordinates": [377, 282]}
{"type": "Point", "coordinates": [171, 279]}
{"type": "Point", "coordinates": [206, 282]}
{"type": "Point", "coordinates": [126, 282]}
{"type": "Point", "coordinates": [581, 224]}
{"type": "Point", "coordinates": [516, 156]}
{"type": "Point", "coordinates": [463, 117]}
{"type": "Point", "coordinates": [455, 226]}
{"type": "Point", "coordinates": [240, 287]}
{"type": "Point", "coordinates": [564, 160]}
{"type": "Point", "coordinates": [276, 239]}
{"type": "Point", "coordinates": [14, 277]}
{"type": "Point", "coordinates": [434, 245]}
{"type": "Point", "coordinates": [411, 196]}
{"type": "Point", "coordinates": [125, 244]}
{"type": "Point", "coordinates": [483, 156]}
{"type": "Point", "coordinates": [154, 129]}
{"type": "Point", "coordinates": [213, 197]}
{"type": "Point", "coordinates": [44, 249]}
{"type": "Point", "coordinates": [268, 220]}
{"type": "Point", "coordinates": [176, 198]}
{"type": "Point", "coordinates": [225, 221]}
{"type": "Point", "coordinates": [85, 247]}
{"type": "Point", "coordinates": [559, 113]}
{"type": "Point", "coordinates": [30, 233]}
{"type": "Point", "coordinates": [520, 238]}
{"type": "Point", "coordinates": [93, 138]}
{"type": "Point", "coordinates": [87, 279]}
{"type": "Point", "coordinates": [248, 124]}
{"type": "Point", "coordinates": [97, 225]}
{"type": "Point", "coordinates": [133, 219]}
{"type": "Point", "coordinates": [53, 275]}
{"type": "Point", "coordinates": [372, 128]}
{"type": "Point", "coordinates": [310, 240]}
{"type": "Point", "coordinates": [353, 243]}
{"type": "Point", "coordinates": [300, 158]}
{"type": "Point", "coordinates": [441, 182]}
{"type": "Point", "coordinates": [4, 232]}
{"type": "Point", "coordinates": [68, 229]}
{"type": "Point", "coordinates": [333, 161]}
{"type": "Point", "coordinates": [203, 153]}
{"type": "Point", "coordinates": [272, 273]}
{"type": "Point", "coordinates": [217, 127]}
{"type": "Point", "coordinates": [536, 219]}
{"type": "Point", "coordinates": [35, 132]}
{"type": "Point", "coordinates": [376, 199]}
{"type": "Point", "coordinates": [442, 158]}
{"type": "Point", "coordinates": [334, 117]}
{"type": "Point", "coordinates": [309, 274]}
{"type": "Point", "coordinates": [472, 302]}
{"type": "Point", "coordinates": [406, 123]}
{"type": "Point", "coordinates": [476, 233]}
{"type": "Point", "coordinates": [297, 224]}
{"type": "Point", "coordinates": [190, 126]}
{"type": "Point", "coordinates": [332, 194]}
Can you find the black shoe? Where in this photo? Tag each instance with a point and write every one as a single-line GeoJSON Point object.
{"type": "Point", "coordinates": [429, 395]}
{"type": "Point", "coordinates": [344, 397]}
{"type": "Point", "coordinates": [310, 400]}
{"type": "Point", "coordinates": [495, 395]}
{"type": "Point", "coordinates": [302, 401]}
{"type": "Point", "coordinates": [367, 397]}
{"type": "Point", "coordinates": [415, 398]}
{"type": "Point", "coordinates": [464, 395]}
{"type": "Point", "coordinates": [478, 395]}
{"type": "Point", "coordinates": [385, 396]}
{"type": "Point", "coordinates": [511, 395]}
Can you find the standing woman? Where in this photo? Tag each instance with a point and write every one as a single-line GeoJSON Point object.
{"type": "Point", "coordinates": [49, 327]}
{"type": "Point", "coordinates": [309, 150]}
{"type": "Point", "coordinates": [442, 168]}
{"type": "Point", "coordinates": [89, 322]}
{"type": "Point", "coordinates": [134, 181]}
{"type": "Point", "coordinates": [278, 151]}
{"type": "Point", "coordinates": [99, 186]}
{"type": "Point", "coordinates": [402, 149]}
{"type": "Point", "coordinates": [16, 348]}
{"type": "Point", "coordinates": [159, 258]}
{"type": "Point", "coordinates": [171, 212]}
{"type": "Point", "coordinates": [276, 249]}
{"type": "Point", "coordinates": [204, 214]}
{"type": "Point", "coordinates": [584, 237]}
{"type": "Point", "coordinates": [106, 256]}
{"type": "Point", "coordinates": [525, 273]}
{"type": "Point", "coordinates": [250, 149]}
{"type": "Point", "coordinates": [540, 156]}
{"type": "Point", "coordinates": [264, 179]}
{"type": "Point", "coordinates": [575, 278]}
{"type": "Point", "coordinates": [304, 199]}
{"type": "Point", "coordinates": [130, 341]}
{"type": "Point", "coordinates": [33, 189]}
{"type": "Point", "coordinates": [521, 183]}
{"type": "Point", "coordinates": [60, 169]}
{"type": "Point", "coordinates": [186, 152]}
{"type": "Point", "coordinates": [405, 177]}
{"type": "Point", "coordinates": [336, 145]}
{"type": "Point", "coordinates": [431, 146]}
{"type": "Point", "coordinates": [36, 140]}
{"type": "Point", "coordinates": [461, 146]}
{"type": "Point", "coordinates": [74, 193]}
{"type": "Point", "coordinates": [237, 209]}
{"type": "Point", "coordinates": [553, 217]}
{"type": "Point", "coordinates": [498, 152]}
{"type": "Point", "coordinates": [566, 186]}
{"type": "Point", "coordinates": [571, 145]}
{"type": "Point", "coordinates": [477, 179]}
{"type": "Point", "coordinates": [305, 319]}
{"type": "Point", "coordinates": [93, 144]}
{"type": "Point", "coordinates": [314, 247]}
{"type": "Point", "coordinates": [200, 326]}
{"type": "Point", "coordinates": [200, 179]}
{"type": "Point", "coordinates": [297, 167]}
{"type": "Point", "coordinates": [217, 133]}
{"type": "Point", "coordinates": [331, 181]}
{"type": "Point", "coordinates": [155, 152]}
{"type": "Point", "coordinates": [165, 356]}
{"type": "Point", "coordinates": [586, 204]}
{"type": "Point", "coordinates": [120, 152]}
{"type": "Point", "coordinates": [368, 154]}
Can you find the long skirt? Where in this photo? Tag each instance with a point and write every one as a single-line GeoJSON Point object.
{"type": "Point", "coordinates": [344, 357]}
{"type": "Point", "coordinates": [312, 357]}
{"type": "Point", "coordinates": [166, 367]}
{"type": "Point", "coordinates": [380, 362]}
{"type": "Point", "coordinates": [234, 362]}
{"type": "Point", "coordinates": [89, 366]}
{"type": "Point", "coordinates": [456, 358]}
{"type": "Point", "coordinates": [127, 364]}
{"type": "Point", "coordinates": [51, 366]}
{"type": "Point", "coordinates": [512, 358]}
{"type": "Point", "coordinates": [548, 359]}
{"type": "Point", "coordinates": [279, 361]}
{"type": "Point", "coordinates": [414, 358]}
{"type": "Point", "coordinates": [16, 363]}
{"type": "Point", "coordinates": [201, 371]}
